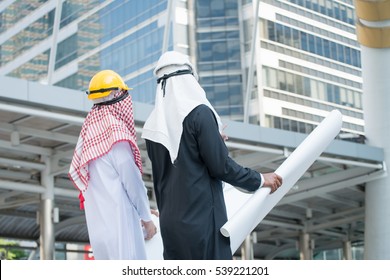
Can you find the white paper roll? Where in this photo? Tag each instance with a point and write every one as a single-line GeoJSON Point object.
{"type": "Point", "coordinates": [261, 202]}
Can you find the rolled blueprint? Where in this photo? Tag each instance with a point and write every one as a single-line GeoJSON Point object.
{"type": "Point", "coordinates": [253, 211]}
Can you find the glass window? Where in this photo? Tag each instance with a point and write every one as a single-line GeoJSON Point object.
{"type": "Point", "coordinates": [218, 35]}
{"type": "Point", "coordinates": [295, 38]}
{"type": "Point", "coordinates": [313, 89]}
{"type": "Point", "coordinates": [329, 8]}
{"type": "Point", "coordinates": [294, 126]}
{"type": "Point", "coordinates": [321, 90]}
{"type": "Point", "coordinates": [205, 51]}
{"type": "Point", "coordinates": [301, 127]}
{"type": "Point", "coordinates": [319, 47]}
{"type": "Point", "coordinates": [290, 82]}
{"type": "Point", "coordinates": [350, 16]}
{"type": "Point", "coordinates": [233, 50]}
{"type": "Point", "coordinates": [298, 84]}
{"type": "Point", "coordinates": [17, 11]}
{"type": "Point", "coordinates": [219, 65]}
{"type": "Point", "coordinates": [311, 41]}
{"type": "Point", "coordinates": [304, 43]}
{"type": "Point", "coordinates": [277, 122]}
{"type": "Point", "coordinates": [340, 53]}
{"type": "Point", "coordinates": [285, 124]}
{"type": "Point", "coordinates": [308, 4]}
{"type": "Point", "coordinates": [271, 31]}
{"type": "Point", "coordinates": [279, 33]}
{"type": "Point", "coordinates": [287, 36]}
{"type": "Point", "coordinates": [219, 50]}
{"type": "Point", "coordinates": [66, 51]}
{"type": "Point", "coordinates": [309, 128]}
{"type": "Point", "coordinates": [315, 6]}
{"type": "Point", "coordinates": [217, 21]}
{"type": "Point", "coordinates": [273, 78]}
{"type": "Point", "coordinates": [333, 50]}
{"type": "Point", "coordinates": [343, 97]}
{"type": "Point", "coordinates": [33, 70]}
{"type": "Point", "coordinates": [355, 57]}
{"type": "Point", "coordinates": [282, 80]}
{"type": "Point", "coordinates": [336, 10]}
{"type": "Point", "coordinates": [72, 9]}
{"type": "Point", "coordinates": [217, 8]}
{"type": "Point", "coordinates": [69, 82]}
{"type": "Point", "coordinates": [306, 86]}
{"type": "Point", "coordinates": [201, 36]}
{"type": "Point", "coordinates": [349, 97]}
{"type": "Point", "coordinates": [231, 7]}
{"type": "Point", "coordinates": [329, 93]}
{"type": "Point", "coordinates": [322, 7]}
{"type": "Point", "coordinates": [343, 13]}
{"type": "Point", "coordinates": [358, 100]}
{"type": "Point", "coordinates": [336, 92]}
{"type": "Point", "coordinates": [347, 57]}
{"type": "Point", "coordinates": [326, 48]}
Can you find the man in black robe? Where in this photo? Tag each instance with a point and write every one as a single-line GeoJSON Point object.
{"type": "Point", "coordinates": [189, 162]}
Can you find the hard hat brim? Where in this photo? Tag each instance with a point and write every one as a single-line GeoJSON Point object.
{"type": "Point", "coordinates": [97, 94]}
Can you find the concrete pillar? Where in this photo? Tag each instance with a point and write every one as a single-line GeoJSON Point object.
{"type": "Point", "coordinates": [167, 28]}
{"type": "Point", "coordinates": [251, 68]}
{"type": "Point", "coordinates": [46, 224]}
{"type": "Point", "coordinates": [347, 250]}
{"type": "Point", "coordinates": [373, 32]}
{"type": "Point", "coordinates": [247, 249]}
{"type": "Point", "coordinates": [305, 248]}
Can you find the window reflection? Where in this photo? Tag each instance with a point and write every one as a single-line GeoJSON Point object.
{"type": "Point", "coordinates": [218, 53]}
{"type": "Point", "coordinates": [313, 44]}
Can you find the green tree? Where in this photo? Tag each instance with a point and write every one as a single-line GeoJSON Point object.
{"type": "Point", "coordinates": [8, 250]}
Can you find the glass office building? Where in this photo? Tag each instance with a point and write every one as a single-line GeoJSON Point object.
{"type": "Point", "coordinates": [308, 64]}
{"type": "Point", "coordinates": [68, 48]}
{"type": "Point", "coordinates": [306, 58]}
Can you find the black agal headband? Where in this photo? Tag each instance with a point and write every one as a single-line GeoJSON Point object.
{"type": "Point", "coordinates": [164, 78]}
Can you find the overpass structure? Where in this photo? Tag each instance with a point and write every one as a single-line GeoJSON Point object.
{"type": "Point", "coordinates": [39, 127]}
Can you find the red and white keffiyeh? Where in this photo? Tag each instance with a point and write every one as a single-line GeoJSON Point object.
{"type": "Point", "coordinates": [104, 126]}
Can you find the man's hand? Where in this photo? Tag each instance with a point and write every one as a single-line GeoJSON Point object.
{"type": "Point", "coordinates": [155, 212]}
{"type": "Point", "coordinates": [223, 135]}
{"type": "Point", "coordinates": [150, 229]}
{"type": "Point", "coordinates": [272, 180]}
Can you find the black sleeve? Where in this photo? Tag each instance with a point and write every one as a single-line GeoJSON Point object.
{"type": "Point", "coordinates": [215, 154]}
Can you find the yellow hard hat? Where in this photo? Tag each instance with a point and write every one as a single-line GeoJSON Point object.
{"type": "Point", "coordinates": [103, 82]}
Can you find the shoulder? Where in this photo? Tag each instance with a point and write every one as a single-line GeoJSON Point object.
{"type": "Point", "coordinates": [120, 146]}
{"type": "Point", "coordinates": [201, 117]}
{"type": "Point", "coordinates": [200, 112]}
{"type": "Point", "coordinates": [120, 149]}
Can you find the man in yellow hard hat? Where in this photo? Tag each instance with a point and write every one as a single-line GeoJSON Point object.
{"type": "Point", "coordinates": [107, 169]}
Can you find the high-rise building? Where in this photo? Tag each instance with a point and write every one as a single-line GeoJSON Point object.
{"type": "Point", "coordinates": [281, 64]}
{"type": "Point", "coordinates": [308, 63]}
{"type": "Point", "coordinates": [304, 62]}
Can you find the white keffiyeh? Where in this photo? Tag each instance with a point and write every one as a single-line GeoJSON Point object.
{"type": "Point", "coordinates": [182, 94]}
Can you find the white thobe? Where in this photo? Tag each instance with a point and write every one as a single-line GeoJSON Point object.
{"type": "Point", "coordinates": [115, 202]}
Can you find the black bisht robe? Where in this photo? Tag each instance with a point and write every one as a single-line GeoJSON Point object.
{"type": "Point", "coordinates": [189, 192]}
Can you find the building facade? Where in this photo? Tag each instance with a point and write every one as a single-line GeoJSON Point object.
{"type": "Point", "coordinates": [304, 62]}
{"type": "Point", "coordinates": [308, 63]}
